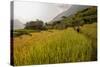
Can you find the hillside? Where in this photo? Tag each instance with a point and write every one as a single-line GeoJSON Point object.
{"type": "Point", "coordinates": [18, 24]}
{"type": "Point", "coordinates": [85, 16]}
{"type": "Point", "coordinates": [72, 10]}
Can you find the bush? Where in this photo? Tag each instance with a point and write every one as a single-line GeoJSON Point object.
{"type": "Point", "coordinates": [21, 32]}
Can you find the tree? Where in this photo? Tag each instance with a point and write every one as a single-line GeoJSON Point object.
{"type": "Point", "coordinates": [37, 25]}
{"type": "Point", "coordinates": [63, 17]}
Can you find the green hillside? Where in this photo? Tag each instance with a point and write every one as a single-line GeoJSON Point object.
{"type": "Point", "coordinates": [86, 16]}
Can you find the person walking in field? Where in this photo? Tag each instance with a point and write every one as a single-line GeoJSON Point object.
{"type": "Point", "coordinates": [78, 29]}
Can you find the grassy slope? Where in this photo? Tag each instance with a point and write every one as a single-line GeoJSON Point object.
{"type": "Point", "coordinates": [90, 30]}
{"type": "Point", "coordinates": [57, 46]}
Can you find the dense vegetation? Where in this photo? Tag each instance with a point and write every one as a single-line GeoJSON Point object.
{"type": "Point", "coordinates": [47, 44]}
{"type": "Point", "coordinates": [58, 46]}
{"type": "Point", "coordinates": [86, 16]}
{"type": "Point", "coordinates": [90, 31]}
{"type": "Point", "coordinates": [36, 25]}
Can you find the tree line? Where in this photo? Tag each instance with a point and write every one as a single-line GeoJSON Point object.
{"type": "Point", "coordinates": [86, 16]}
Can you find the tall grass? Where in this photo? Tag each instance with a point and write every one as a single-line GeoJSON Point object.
{"type": "Point", "coordinates": [20, 32]}
{"type": "Point", "coordinates": [58, 46]}
{"type": "Point", "coordinates": [90, 30]}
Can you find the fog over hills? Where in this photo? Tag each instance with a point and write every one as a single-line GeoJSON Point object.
{"type": "Point", "coordinates": [18, 24]}
{"type": "Point", "coordinates": [72, 10]}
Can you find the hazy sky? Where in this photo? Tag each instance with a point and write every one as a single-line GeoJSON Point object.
{"type": "Point", "coordinates": [26, 11]}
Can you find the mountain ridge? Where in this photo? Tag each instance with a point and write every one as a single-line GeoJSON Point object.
{"type": "Point", "coordinates": [18, 24]}
{"type": "Point", "coordinates": [72, 10]}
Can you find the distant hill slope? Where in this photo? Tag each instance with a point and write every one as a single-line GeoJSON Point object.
{"type": "Point", "coordinates": [18, 24]}
{"type": "Point", "coordinates": [85, 16]}
{"type": "Point", "coordinates": [72, 10]}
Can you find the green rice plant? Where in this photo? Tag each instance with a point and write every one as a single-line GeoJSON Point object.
{"type": "Point", "coordinates": [58, 46]}
{"type": "Point", "coordinates": [90, 30]}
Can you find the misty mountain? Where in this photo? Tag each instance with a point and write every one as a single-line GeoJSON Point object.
{"type": "Point", "coordinates": [72, 10]}
{"type": "Point", "coordinates": [18, 24]}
